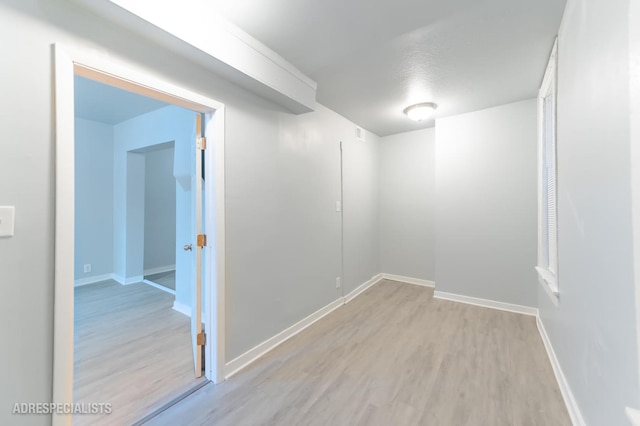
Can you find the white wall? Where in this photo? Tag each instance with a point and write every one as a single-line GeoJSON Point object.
{"type": "Point", "coordinates": [283, 178]}
{"type": "Point", "coordinates": [159, 209]}
{"type": "Point", "coordinates": [360, 209]}
{"type": "Point", "coordinates": [593, 330]}
{"type": "Point", "coordinates": [94, 198]}
{"type": "Point", "coordinates": [407, 204]}
{"type": "Point", "coordinates": [486, 214]}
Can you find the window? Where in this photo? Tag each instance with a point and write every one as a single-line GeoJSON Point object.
{"type": "Point", "coordinates": [547, 214]}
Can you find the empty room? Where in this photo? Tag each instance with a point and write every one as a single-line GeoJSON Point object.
{"type": "Point", "coordinates": [399, 213]}
{"type": "Point", "coordinates": [133, 282]}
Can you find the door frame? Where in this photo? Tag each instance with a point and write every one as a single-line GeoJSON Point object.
{"type": "Point", "coordinates": [69, 62]}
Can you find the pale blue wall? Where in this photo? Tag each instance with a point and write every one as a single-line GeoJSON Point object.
{"type": "Point", "coordinates": [151, 197]}
{"type": "Point", "coordinates": [133, 138]}
{"type": "Point", "coordinates": [593, 328]}
{"type": "Point", "coordinates": [94, 198]}
{"type": "Point", "coordinates": [133, 211]}
{"type": "Point", "coordinates": [160, 209]}
{"type": "Point", "coordinates": [361, 260]}
{"type": "Point", "coordinates": [486, 195]}
{"type": "Point", "coordinates": [407, 204]}
{"type": "Point", "coordinates": [283, 178]}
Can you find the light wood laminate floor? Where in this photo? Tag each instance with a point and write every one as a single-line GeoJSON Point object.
{"type": "Point", "coordinates": [393, 356]}
{"type": "Point", "coordinates": [131, 350]}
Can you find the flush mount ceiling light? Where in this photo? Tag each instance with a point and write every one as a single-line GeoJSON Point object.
{"type": "Point", "coordinates": [419, 112]}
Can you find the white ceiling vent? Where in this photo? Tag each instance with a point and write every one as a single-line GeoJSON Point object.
{"type": "Point", "coordinates": [359, 133]}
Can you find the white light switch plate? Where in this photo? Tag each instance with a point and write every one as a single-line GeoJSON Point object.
{"type": "Point", "coordinates": [7, 218]}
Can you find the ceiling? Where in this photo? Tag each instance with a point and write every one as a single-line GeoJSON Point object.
{"type": "Point", "coordinates": [107, 104]}
{"type": "Point", "coordinates": [372, 58]}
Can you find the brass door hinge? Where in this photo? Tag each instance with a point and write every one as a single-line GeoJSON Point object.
{"type": "Point", "coordinates": [201, 143]}
{"type": "Point", "coordinates": [202, 240]}
{"type": "Point", "coordinates": [201, 339]}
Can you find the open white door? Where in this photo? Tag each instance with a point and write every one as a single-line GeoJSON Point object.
{"type": "Point", "coordinates": [198, 337]}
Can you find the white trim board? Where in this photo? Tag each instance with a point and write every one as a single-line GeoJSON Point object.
{"type": "Point", "coordinates": [93, 280]}
{"type": "Point", "coordinates": [186, 310]}
{"type": "Point", "coordinates": [360, 289]}
{"type": "Point", "coordinates": [126, 281]}
{"type": "Point", "coordinates": [159, 270]}
{"type": "Point", "coordinates": [409, 280]}
{"type": "Point", "coordinates": [251, 355]}
{"type": "Point", "coordinates": [159, 287]}
{"type": "Point", "coordinates": [108, 69]}
{"type": "Point", "coordinates": [182, 308]}
{"type": "Point", "coordinates": [485, 303]}
{"type": "Point", "coordinates": [572, 406]}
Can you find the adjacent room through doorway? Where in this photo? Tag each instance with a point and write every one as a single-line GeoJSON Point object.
{"type": "Point", "coordinates": [136, 185]}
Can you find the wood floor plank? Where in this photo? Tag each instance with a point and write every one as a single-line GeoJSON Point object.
{"type": "Point", "coordinates": [393, 356]}
{"type": "Point", "coordinates": [131, 350]}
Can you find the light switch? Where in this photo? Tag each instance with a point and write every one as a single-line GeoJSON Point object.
{"type": "Point", "coordinates": [7, 217]}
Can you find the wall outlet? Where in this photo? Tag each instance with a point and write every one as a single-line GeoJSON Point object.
{"type": "Point", "coordinates": [87, 268]}
{"type": "Point", "coordinates": [338, 282]}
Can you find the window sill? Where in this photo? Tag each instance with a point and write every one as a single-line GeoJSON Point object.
{"type": "Point", "coordinates": [549, 282]}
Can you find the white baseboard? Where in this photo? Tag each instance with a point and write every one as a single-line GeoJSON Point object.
{"type": "Point", "coordinates": [159, 270]}
{"type": "Point", "coordinates": [565, 389]}
{"type": "Point", "coordinates": [360, 289]}
{"type": "Point", "coordinates": [235, 365]}
{"type": "Point", "coordinates": [126, 281]}
{"type": "Point", "coordinates": [133, 280]}
{"type": "Point", "coordinates": [509, 307]}
{"type": "Point", "coordinates": [182, 308]}
{"type": "Point", "coordinates": [186, 310]}
{"type": "Point", "coordinates": [160, 287]}
{"type": "Point", "coordinates": [409, 280]}
{"type": "Point", "coordinates": [93, 280]}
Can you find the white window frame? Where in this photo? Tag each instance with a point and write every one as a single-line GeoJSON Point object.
{"type": "Point", "coordinates": [547, 266]}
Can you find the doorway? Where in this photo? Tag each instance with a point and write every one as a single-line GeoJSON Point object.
{"type": "Point", "coordinates": [211, 115]}
{"type": "Point", "coordinates": [134, 158]}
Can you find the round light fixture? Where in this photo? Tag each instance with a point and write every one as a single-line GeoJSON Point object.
{"type": "Point", "coordinates": [419, 112]}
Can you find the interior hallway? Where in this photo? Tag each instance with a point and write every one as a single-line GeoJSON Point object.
{"type": "Point", "coordinates": [131, 350]}
{"type": "Point", "coordinates": [393, 356]}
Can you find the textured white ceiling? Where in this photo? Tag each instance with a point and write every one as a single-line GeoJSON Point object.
{"type": "Point", "coordinates": [107, 104]}
{"type": "Point", "coordinates": [372, 58]}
